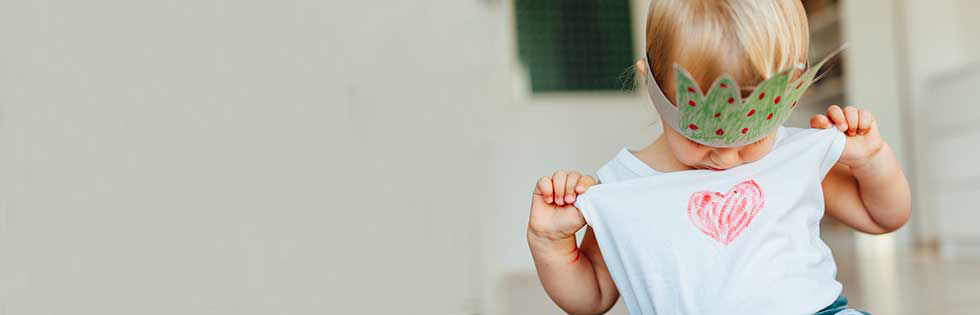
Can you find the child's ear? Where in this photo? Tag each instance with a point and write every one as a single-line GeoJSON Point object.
{"type": "Point", "coordinates": [641, 67]}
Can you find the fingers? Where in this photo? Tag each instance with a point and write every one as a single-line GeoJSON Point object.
{"type": "Point", "coordinates": [641, 67]}
{"type": "Point", "coordinates": [544, 188]}
{"type": "Point", "coordinates": [563, 187]}
{"type": "Point", "coordinates": [570, 184]}
{"type": "Point", "coordinates": [851, 115]}
{"type": "Point", "coordinates": [820, 121]}
{"type": "Point", "coordinates": [558, 179]}
{"type": "Point", "coordinates": [850, 120]}
{"type": "Point", "coordinates": [865, 120]}
{"type": "Point", "coordinates": [584, 183]}
{"type": "Point", "coordinates": [836, 115]}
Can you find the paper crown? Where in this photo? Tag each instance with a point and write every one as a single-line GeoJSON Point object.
{"type": "Point", "coordinates": [722, 118]}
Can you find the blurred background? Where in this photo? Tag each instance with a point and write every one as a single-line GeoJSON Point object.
{"type": "Point", "coordinates": [366, 157]}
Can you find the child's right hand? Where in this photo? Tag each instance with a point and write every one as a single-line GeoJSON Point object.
{"type": "Point", "coordinates": [553, 213]}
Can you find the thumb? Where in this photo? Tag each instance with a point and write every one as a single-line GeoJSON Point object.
{"type": "Point", "coordinates": [573, 211]}
{"type": "Point", "coordinates": [584, 184]}
{"type": "Point", "coordinates": [538, 203]}
{"type": "Point", "coordinates": [579, 218]}
{"type": "Point", "coordinates": [819, 121]}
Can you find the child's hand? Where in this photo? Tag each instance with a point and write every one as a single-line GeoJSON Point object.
{"type": "Point", "coordinates": [553, 214]}
{"type": "Point", "coordinates": [863, 139]}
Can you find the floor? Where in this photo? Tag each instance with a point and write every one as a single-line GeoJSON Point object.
{"type": "Point", "coordinates": [917, 282]}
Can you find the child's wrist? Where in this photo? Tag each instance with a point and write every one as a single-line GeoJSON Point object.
{"type": "Point", "coordinates": [872, 165]}
{"type": "Point", "coordinates": [547, 244]}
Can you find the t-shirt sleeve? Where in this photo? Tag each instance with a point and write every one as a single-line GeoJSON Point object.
{"type": "Point", "coordinates": [582, 203]}
{"type": "Point", "coordinates": [837, 143]}
{"type": "Point", "coordinates": [605, 174]}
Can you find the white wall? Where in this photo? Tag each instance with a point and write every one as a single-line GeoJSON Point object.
{"type": "Point", "coordinates": [904, 54]}
{"type": "Point", "coordinates": [875, 69]}
{"type": "Point", "coordinates": [536, 136]}
{"type": "Point", "coordinates": [941, 41]}
{"type": "Point", "coordinates": [246, 157]}
{"type": "Point", "coordinates": [260, 157]}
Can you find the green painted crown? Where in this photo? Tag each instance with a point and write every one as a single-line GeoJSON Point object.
{"type": "Point", "coordinates": [722, 118]}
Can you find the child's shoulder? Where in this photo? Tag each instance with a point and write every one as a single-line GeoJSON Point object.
{"type": "Point", "coordinates": [824, 144]}
{"type": "Point", "coordinates": [624, 166]}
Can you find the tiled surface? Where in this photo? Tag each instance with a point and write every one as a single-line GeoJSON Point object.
{"type": "Point", "coordinates": [918, 282]}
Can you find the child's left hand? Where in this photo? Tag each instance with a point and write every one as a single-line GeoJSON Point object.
{"type": "Point", "coordinates": [863, 139]}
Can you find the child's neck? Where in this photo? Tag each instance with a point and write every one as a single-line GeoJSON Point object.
{"type": "Point", "coordinates": [658, 156]}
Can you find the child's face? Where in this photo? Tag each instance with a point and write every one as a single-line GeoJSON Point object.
{"type": "Point", "coordinates": [700, 156]}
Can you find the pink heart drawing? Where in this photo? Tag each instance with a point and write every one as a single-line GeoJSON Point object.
{"type": "Point", "coordinates": [724, 217]}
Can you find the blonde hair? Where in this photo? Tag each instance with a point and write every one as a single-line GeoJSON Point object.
{"type": "Point", "coordinates": [751, 40]}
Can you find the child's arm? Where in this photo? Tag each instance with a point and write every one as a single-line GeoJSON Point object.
{"type": "Point", "coordinates": [575, 278]}
{"type": "Point", "coordinates": [866, 189]}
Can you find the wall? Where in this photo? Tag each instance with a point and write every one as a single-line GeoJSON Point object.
{"type": "Point", "coordinates": [941, 53]}
{"type": "Point", "coordinates": [537, 135]}
{"type": "Point", "coordinates": [874, 82]}
{"type": "Point", "coordinates": [249, 157]}
{"type": "Point", "coordinates": [909, 58]}
{"type": "Point", "coordinates": [246, 157]}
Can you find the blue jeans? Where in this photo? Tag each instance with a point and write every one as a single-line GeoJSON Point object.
{"type": "Point", "coordinates": [840, 307]}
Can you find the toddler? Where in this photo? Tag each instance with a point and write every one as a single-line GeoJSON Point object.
{"type": "Point", "coordinates": [720, 213]}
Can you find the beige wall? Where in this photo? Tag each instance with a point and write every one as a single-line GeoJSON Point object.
{"type": "Point", "coordinates": [259, 157]}
{"type": "Point", "coordinates": [536, 136]}
{"type": "Point", "coordinates": [943, 67]}
{"type": "Point", "coordinates": [913, 63]}
{"type": "Point", "coordinates": [872, 31]}
{"type": "Point", "coordinates": [245, 157]}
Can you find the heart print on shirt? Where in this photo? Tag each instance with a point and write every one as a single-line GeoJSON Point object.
{"type": "Point", "coordinates": [724, 216]}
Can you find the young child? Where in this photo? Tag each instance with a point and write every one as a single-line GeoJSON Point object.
{"type": "Point", "coordinates": [719, 220]}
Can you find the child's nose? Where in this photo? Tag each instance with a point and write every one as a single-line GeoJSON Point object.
{"type": "Point", "coordinates": [726, 157]}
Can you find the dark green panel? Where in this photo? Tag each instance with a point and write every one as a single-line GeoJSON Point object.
{"type": "Point", "coordinates": [575, 45]}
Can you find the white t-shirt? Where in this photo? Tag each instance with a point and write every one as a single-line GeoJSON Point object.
{"type": "Point", "coordinates": [740, 241]}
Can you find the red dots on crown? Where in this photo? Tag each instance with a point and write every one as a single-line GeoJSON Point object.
{"type": "Point", "coordinates": [731, 100]}
{"type": "Point", "coordinates": [762, 95]}
{"type": "Point", "coordinates": [723, 85]}
{"type": "Point", "coordinates": [692, 103]}
{"type": "Point", "coordinates": [776, 101]}
{"type": "Point", "coordinates": [744, 130]}
{"type": "Point", "coordinates": [751, 112]}
{"type": "Point", "coordinates": [717, 115]}
{"type": "Point", "coordinates": [720, 132]}
{"type": "Point", "coordinates": [769, 117]}
{"type": "Point", "coordinates": [690, 89]}
{"type": "Point", "coordinates": [693, 126]}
